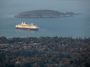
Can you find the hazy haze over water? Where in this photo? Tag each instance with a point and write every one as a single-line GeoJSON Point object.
{"type": "Point", "coordinates": [11, 7]}
{"type": "Point", "coordinates": [71, 26]}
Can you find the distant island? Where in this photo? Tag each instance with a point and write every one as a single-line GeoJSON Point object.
{"type": "Point", "coordinates": [44, 14]}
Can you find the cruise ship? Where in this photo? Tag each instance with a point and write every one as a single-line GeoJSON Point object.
{"type": "Point", "coordinates": [24, 25]}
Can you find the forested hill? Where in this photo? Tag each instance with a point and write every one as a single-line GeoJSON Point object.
{"type": "Point", "coordinates": [43, 14]}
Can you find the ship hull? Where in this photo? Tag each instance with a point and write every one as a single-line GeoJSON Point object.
{"type": "Point", "coordinates": [27, 28]}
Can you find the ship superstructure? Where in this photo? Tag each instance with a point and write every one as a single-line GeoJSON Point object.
{"type": "Point", "coordinates": [24, 25]}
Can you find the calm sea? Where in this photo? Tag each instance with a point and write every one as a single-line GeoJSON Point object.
{"type": "Point", "coordinates": [76, 26]}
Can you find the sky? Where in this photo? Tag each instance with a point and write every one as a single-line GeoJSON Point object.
{"type": "Point", "coordinates": [16, 6]}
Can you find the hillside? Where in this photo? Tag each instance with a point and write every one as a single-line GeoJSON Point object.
{"type": "Point", "coordinates": [43, 14]}
{"type": "Point", "coordinates": [44, 52]}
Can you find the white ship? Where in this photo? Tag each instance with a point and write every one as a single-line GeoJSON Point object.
{"type": "Point", "coordinates": [24, 25]}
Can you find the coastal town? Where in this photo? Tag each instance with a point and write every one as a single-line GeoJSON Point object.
{"type": "Point", "coordinates": [44, 52]}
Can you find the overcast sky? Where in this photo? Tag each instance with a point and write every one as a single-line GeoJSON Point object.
{"type": "Point", "coordinates": [14, 6]}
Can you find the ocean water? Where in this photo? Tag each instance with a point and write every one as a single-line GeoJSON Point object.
{"type": "Point", "coordinates": [76, 26]}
